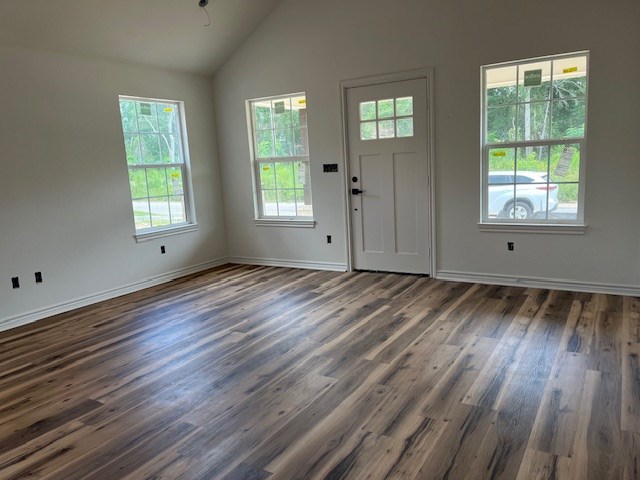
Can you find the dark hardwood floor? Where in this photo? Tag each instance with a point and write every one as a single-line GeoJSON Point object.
{"type": "Point", "coordinates": [255, 372]}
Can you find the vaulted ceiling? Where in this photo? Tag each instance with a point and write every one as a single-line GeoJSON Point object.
{"type": "Point", "coordinates": [161, 33]}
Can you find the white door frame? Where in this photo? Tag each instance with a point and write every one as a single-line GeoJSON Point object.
{"type": "Point", "coordinates": [428, 74]}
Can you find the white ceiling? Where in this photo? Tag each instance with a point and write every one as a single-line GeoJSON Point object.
{"type": "Point", "coordinates": [161, 33]}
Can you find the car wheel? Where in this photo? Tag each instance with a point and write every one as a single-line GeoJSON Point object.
{"type": "Point", "coordinates": [520, 211]}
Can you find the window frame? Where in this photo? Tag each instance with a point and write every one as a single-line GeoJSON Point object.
{"type": "Point", "coordinates": [260, 219]}
{"type": "Point", "coordinates": [190, 224]}
{"type": "Point", "coordinates": [534, 225]}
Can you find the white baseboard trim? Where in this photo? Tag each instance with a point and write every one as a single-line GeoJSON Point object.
{"type": "Point", "coordinates": [277, 262]}
{"type": "Point", "coordinates": [537, 282]}
{"type": "Point", "coordinates": [29, 317]}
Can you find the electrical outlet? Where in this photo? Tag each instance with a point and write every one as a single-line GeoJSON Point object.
{"type": "Point", "coordinates": [162, 249]}
{"type": "Point", "coordinates": [15, 281]}
{"type": "Point", "coordinates": [38, 277]}
{"type": "Point", "coordinates": [510, 246]}
{"type": "Point", "coordinates": [328, 238]}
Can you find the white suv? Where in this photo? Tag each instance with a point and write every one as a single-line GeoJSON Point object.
{"type": "Point", "coordinates": [531, 192]}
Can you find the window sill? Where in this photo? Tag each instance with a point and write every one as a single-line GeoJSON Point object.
{"type": "Point", "coordinates": [564, 229]}
{"type": "Point", "coordinates": [165, 232]}
{"type": "Point", "coordinates": [284, 222]}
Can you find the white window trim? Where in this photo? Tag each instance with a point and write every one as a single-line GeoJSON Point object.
{"type": "Point", "coordinates": [261, 220]}
{"type": "Point", "coordinates": [577, 226]}
{"type": "Point", "coordinates": [191, 224]}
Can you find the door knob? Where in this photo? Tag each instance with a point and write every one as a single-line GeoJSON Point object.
{"type": "Point", "coordinates": [355, 191]}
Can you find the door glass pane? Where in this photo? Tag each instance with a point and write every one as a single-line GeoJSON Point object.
{"type": "Point", "coordinates": [404, 106]}
{"type": "Point", "coordinates": [386, 108]}
{"type": "Point", "coordinates": [404, 127]}
{"type": "Point", "coordinates": [368, 131]}
{"type": "Point", "coordinates": [386, 128]}
{"type": "Point", "coordinates": [367, 110]}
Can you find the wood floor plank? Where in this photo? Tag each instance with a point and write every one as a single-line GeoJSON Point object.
{"type": "Point", "coordinates": [254, 372]}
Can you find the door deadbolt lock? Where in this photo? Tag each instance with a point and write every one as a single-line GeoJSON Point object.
{"type": "Point", "coordinates": [355, 191]}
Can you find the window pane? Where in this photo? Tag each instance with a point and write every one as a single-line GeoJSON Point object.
{"type": "Point", "coordinates": [138, 183]}
{"type": "Point", "coordinates": [368, 131]}
{"type": "Point", "coordinates": [405, 127]}
{"type": "Point", "coordinates": [299, 111]}
{"type": "Point", "coordinates": [176, 182]}
{"type": "Point", "coordinates": [532, 164]}
{"type": "Point", "coordinates": [368, 111]}
{"type": "Point", "coordinates": [385, 108]}
{"type": "Point", "coordinates": [534, 121]}
{"type": "Point", "coordinates": [284, 175]}
{"type": "Point", "coordinates": [568, 119]}
{"type": "Point", "coordinates": [287, 203]}
{"type": "Point", "coordinates": [565, 163]}
{"type": "Point", "coordinates": [150, 147]}
{"type": "Point", "coordinates": [567, 208]}
{"type": "Point", "coordinates": [501, 165]}
{"type": "Point", "coordinates": [157, 181]}
{"type": "Point", "coordinates": [167, 118]}
{"type": "Point", "coordinates": [132, 148]}
{"type": "Point", "coordinates": [283, 143]}
{"type": "Point", "coordinates": [177, 209]}
{"type": "Point", "coordinates": [267, 175]}
{"type": "Point", "coordinates": [282, 113]}
{"type": "Point", "coordinates": [147, 118]}
{"type": "Point", "coordinates": [269, 203]}
{"type": "Point", "coordinates": [570, 77]}
{"type": "Point", "coordinates": [159, 212]}
{"type": "Point", "coordinates": [264, 141]}
{"type": "Point", "coordinates": [300, 142]}
{"type": "Point", "coordinates": [501, 123]}
{"type": "Point", "coordinates": [534, 81]}
{"type": "Point", "coordinates": [303, 202]}
{"type": "Point", "coordinates": [262, 112]}
{"type": "Point", "coordinates": [141, 215]}
{"type": "Point", "coordinates": [404, 106]}
{"type": "Point", "coordinates": [301, 174]}
{"type": "Point", "coordinates": [501, 85]}
{"type": "Point", "coordinates": [386, 128]}
{"type": "Point", "coordinates": [170, 148]}
{"type": "Point", "coordinates": [128, 116]}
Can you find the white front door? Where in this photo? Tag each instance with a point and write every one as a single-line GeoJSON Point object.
{"type": "Point", "coordinates": [389, 176]}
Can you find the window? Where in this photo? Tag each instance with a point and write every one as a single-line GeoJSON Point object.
{"type": "Point", "coordinates": [534, 118]}
{"type": "Point", "coordinates": [280, 157]}
{"type": "Point", "coordinates": [389, 118]}
{"type": "Point", "coordinates": [156, 151]}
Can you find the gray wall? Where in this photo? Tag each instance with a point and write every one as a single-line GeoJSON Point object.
{"type": "Point", "coordinates": [310, 45]}
{"type": "Point", "coordinates": [65, 206]}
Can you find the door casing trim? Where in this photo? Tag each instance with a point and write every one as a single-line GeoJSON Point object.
{"type": "Point", "coordinates": [428, 73]}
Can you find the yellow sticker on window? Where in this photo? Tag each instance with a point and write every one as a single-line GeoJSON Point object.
{"type": "Point", "coordinates": [303, 101]}
{"type": "Point", "coordinates": [175, 175]}
{"type": "Point", "coordinates": [266, 169]}
{"type": "Point", "coordinates": [168, 109]}
{"type": "Point", "coordinates": [570, 70]}
{"type": "Point", "coordinates": [499, 154]}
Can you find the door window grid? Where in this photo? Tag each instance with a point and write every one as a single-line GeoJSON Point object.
{"type": "Point", "coordinates": [156, 162]}
{"type": "Point", "coordinates": [386, 118]}
{"type": "Point", "coordinates": [534, 135]}
{"type": "Point", "coordinates": [281, 157]}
